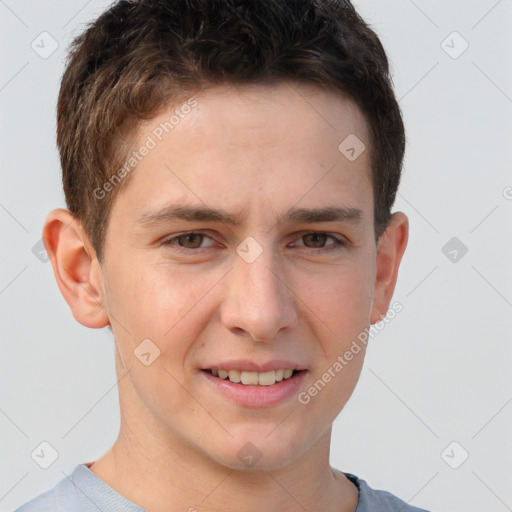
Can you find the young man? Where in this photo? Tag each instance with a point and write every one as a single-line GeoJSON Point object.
{"type": "Point", "coordinates": [229, 169]}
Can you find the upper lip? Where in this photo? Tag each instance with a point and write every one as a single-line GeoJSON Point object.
{"type": "Point", "coordinates": [252, 366]}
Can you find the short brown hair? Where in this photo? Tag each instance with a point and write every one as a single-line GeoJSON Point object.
{"type": "Point", "coordinates": [141, 56]}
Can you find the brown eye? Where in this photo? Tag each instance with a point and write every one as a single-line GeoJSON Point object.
{"type": "Point", "coordinates": [322, 242]}
{"type": "Point", "coordinates": [315, 239]}
{"type": "Point", "coordinates": [191, 240]}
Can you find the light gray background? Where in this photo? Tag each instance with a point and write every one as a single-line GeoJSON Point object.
{"type": "Point", "coordinates": [438, 373]}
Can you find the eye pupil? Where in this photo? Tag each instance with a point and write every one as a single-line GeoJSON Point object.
{"type": "Point", "coordinates": [191, 241]}
{"type": "Point", "coordinates": [317, 239]}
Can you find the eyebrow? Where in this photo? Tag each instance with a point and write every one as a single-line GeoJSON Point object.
{"type": "Point", "coordinates": [206, 214]}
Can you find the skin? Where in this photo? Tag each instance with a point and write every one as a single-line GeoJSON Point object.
{"type": "Point", "coordinates": [255, 152]}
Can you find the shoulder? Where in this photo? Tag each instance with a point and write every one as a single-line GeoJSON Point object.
{"type": "Point", "coordinates": [60, 497]}
{"type": "Point", "coordinates": [372, 500]}
{"type": "Point", "coordinates": [81, 491]}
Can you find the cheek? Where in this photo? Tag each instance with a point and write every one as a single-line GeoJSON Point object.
{"type": "Point", "coordinates": [169, 307]}
{"type": "Point", "coordinates": [149, 297]}
{"type": "Point", "coordinates": [341, 296]}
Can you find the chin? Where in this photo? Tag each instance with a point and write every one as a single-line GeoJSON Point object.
{"type": "Point", "coordinates": [259, 451]}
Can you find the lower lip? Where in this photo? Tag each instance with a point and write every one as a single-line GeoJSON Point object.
{"type": "Point", "coordinates": [257, 396]}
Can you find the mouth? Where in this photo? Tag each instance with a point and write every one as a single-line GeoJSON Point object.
{"type": "Point", "coordinates": [253, 389]}
{"type": "Point", "coordinates": [255, 379]}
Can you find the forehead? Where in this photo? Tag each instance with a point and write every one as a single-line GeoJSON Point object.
{"type": "Point", "coordinates": [229, 144]}
{"type": "Point", "coordinates": [304, 111]}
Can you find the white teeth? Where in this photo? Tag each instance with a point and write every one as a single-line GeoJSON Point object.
{"type": "Point", "coordinates": [267, 378]}
{"type": "Point", "coordinates": [234, 375]}
{"type": "Point", "coordinates": [254, 378]}
{"type": "Point", "coordinates": [250, 378]}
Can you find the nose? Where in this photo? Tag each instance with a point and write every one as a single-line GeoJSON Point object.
{"type": "Point", "coordinates": [258, 301]}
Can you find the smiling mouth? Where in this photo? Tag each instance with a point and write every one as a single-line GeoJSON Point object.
{"type": "Point", "coordinates": [254, 378]}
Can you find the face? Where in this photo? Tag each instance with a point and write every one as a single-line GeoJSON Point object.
{"type": "Point", "coordinates": [243, 242]}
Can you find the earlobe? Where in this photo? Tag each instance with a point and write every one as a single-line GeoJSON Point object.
{"type": "Point", "coordinates": [76, 268]}
{"type": "Point", "coordinates": [392, 246]}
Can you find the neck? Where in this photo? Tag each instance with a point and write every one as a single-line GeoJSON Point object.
{"type": "Point", "coordinates": [171, 476]}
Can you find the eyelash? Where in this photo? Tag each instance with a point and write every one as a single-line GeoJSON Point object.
{"type": "Point", "coordinates": [338, 243]}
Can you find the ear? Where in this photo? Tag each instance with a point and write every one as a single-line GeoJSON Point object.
{"type": "Point", "coordinates": [391, 248]}
{"type": "Point", "coordinates": [76, 268]}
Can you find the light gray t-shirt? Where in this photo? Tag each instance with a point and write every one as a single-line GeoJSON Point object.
{"type": "Point", "coordinates": [83, 491]}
